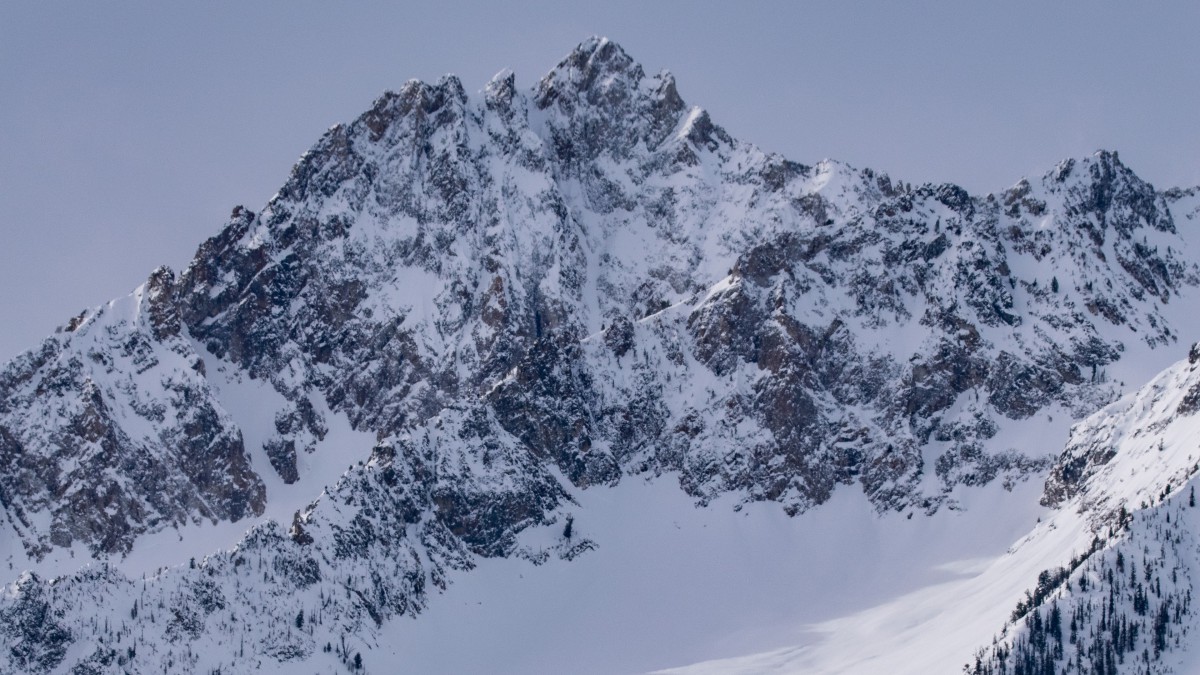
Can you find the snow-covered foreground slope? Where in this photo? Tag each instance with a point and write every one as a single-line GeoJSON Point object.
{"type": "Point", "coordinates": [1131, 471]}
{"type": "Point", "coordinates": [932, 629]}
{"type": "Point", "coordinates": [671, 583]}
{"type": "Point", "coordinates": [1116, 558]}
{"type": "Point", "coordinates": [663, 582]}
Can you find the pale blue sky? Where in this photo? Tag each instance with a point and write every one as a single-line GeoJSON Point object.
{"type": "Point", "coordinates": [128, 130]}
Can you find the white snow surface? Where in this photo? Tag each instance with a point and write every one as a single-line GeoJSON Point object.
{"type": "Point", "coordinates": [671, 583]}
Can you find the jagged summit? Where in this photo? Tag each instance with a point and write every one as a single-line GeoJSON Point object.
{"type": "Point", "coordinates": [595, 58]}
{"type": "Point", "coordinates": [597, 65]}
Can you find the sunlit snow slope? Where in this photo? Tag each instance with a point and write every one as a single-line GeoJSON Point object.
{"type": "Point", "coordinates": [1103, 583]}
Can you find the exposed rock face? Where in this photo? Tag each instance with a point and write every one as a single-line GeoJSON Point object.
{"type": "Point", "coordinates": [31, 625]}
{"type": "Point", "coordinates": [585, 281]}
{"type": "Point", "coordinates": [110, 430]}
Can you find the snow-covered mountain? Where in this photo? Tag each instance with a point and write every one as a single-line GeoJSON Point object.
{"type": "Point", "coordinates": [466, 319]}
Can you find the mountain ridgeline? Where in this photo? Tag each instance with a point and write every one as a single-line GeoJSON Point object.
{"type": "Point", "coordinates": [512, 295]}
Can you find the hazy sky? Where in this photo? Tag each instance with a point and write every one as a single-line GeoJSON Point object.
{"type": "Point", "coordinates": [128, 130]}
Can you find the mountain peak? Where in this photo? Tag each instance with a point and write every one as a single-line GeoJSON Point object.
{"type": "Point", "coordinates": [600, 50]}
{"type": "Point", "coordinates": [503, 78]}
{"type": "Point", "coordinates": [1107, 156]}
{"type": "Point", "coordinates": [595, 69]}
{"type": "Point", "coordinates": [1106, 162]}
{"type": "Point", "coordinates": [1100, 184]}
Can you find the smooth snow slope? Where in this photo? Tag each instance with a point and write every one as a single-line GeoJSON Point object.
{"type": "Point", "coordinates": [670, 583]}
